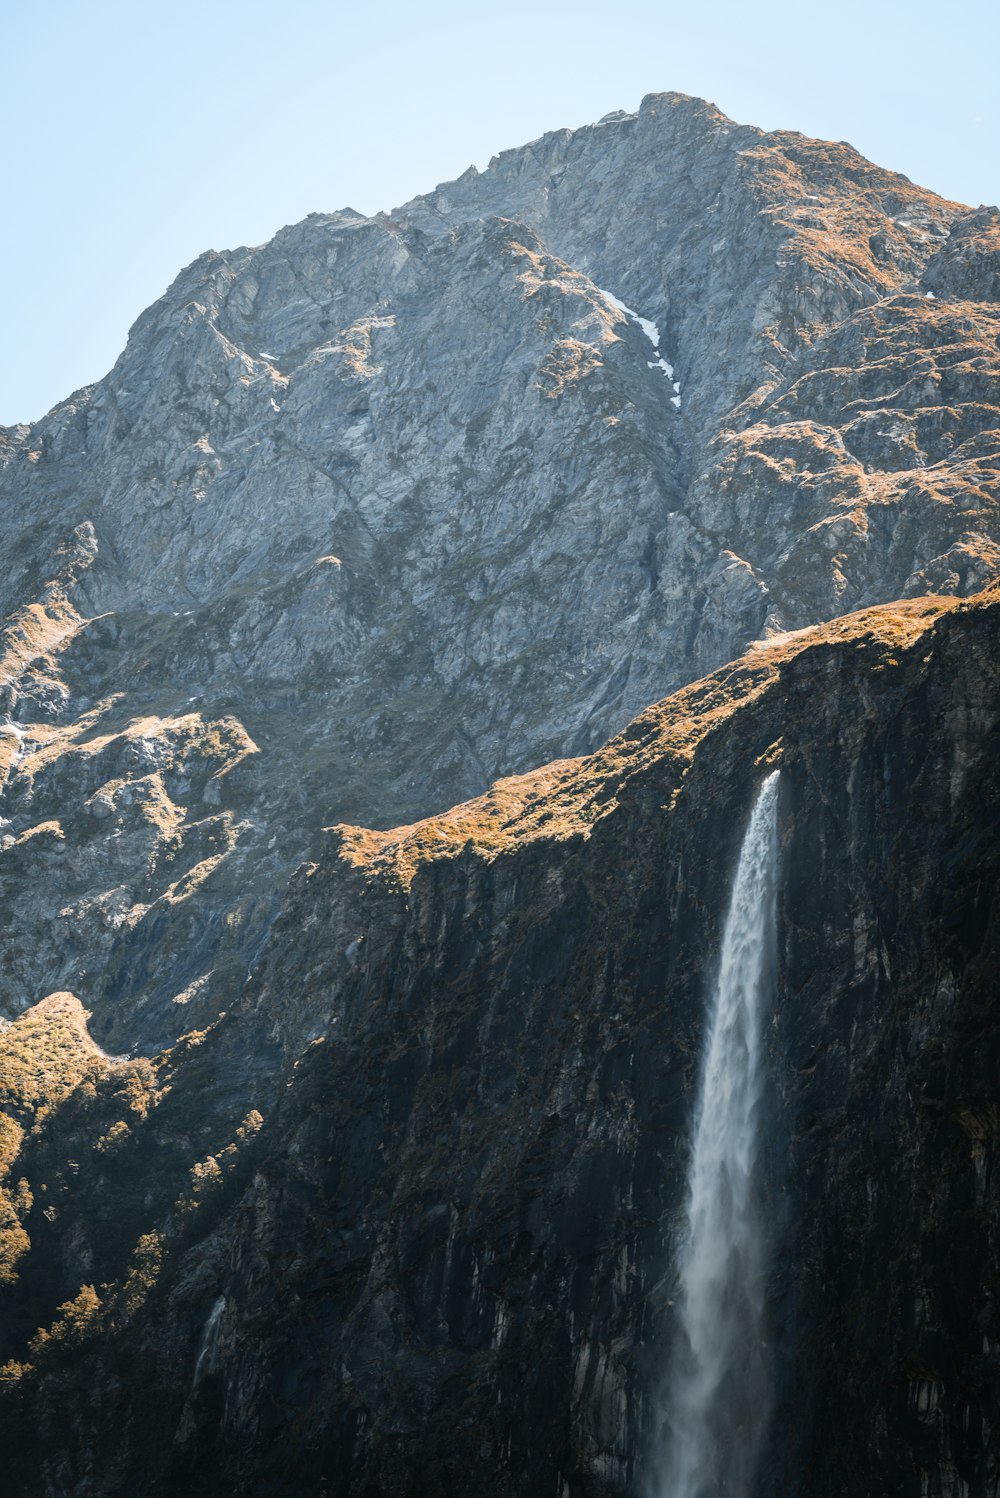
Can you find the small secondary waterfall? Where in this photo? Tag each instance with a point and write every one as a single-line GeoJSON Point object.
{"type": "Point", "coordinates": [718, 1392]}
{"type": "Point", "coordinates": [208, 1348]}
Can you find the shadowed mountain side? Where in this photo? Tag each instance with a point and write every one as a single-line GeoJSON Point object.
{"type": "Point", "coordinates": [401, 1222]}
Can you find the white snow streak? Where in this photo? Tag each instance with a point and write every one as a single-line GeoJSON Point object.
{"type": "Point", "coordinates": [652, 332]}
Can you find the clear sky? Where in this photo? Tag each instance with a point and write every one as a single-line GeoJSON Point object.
{"type": "Point", "coordinates": [137, 133]}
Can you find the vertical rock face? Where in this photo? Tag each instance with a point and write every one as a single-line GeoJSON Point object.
{"type": "Point", "coordinates": [361, 520]}
{"type": "Point", "coordinates": [446, 1261]}
{"type": "Point", "coordinates": [411, 502]}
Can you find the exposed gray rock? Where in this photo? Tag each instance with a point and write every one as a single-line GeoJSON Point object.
{"type": "Point", "coordinates": [445, 1262]}
{"type": "Point", "coordinates": [361, 519]}
{"type": "Point", "coordinates": [412, 501]}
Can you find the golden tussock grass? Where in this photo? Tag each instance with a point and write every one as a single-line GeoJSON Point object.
{"type": "Point", "coordinates": [566, 798]}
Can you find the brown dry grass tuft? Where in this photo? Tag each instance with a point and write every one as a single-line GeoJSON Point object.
{"type": "Point", "coordinates": [566, 798]}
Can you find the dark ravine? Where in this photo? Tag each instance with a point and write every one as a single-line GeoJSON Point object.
{"type": "Point", "coordinates": [345, 1161]}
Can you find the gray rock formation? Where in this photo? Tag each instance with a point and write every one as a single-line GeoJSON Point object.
{"type": "Point", "coordinates": [442, 1262]}
{"type": "Point", "coordinates": [350, 1160]}
{"type": "Point", "coordinates": [371, 514]}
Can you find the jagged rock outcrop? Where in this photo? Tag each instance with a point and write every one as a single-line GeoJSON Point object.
{"type": "Point", "coordinates": [364, 1179]}
{"type": "Point", "coordinates": [410, 503]}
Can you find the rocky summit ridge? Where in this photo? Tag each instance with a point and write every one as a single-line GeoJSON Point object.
{"type": "Point", "coordinates": [407, 503]}
{"type": "Point", "coordinates": [370, 522]}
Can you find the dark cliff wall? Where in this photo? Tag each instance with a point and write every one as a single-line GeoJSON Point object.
{"type": "Point", "coordinates": [888, 1043]}
{"type": "Point", "coordinates": [447, 1266]}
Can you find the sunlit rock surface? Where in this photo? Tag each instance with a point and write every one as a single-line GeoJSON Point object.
{"type": "Point", "coordinates": [410, 503]}
{"type": "Point", "coordinates": [350, 1161]}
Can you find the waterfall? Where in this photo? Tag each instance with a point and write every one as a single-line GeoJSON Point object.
{"type": "Point", "coordinates": [209, 1346]}
{"type": "Point", "coordinates": [719, 1386]}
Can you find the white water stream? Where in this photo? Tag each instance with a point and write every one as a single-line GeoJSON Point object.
{"type": "Point", "coordinates": [208, 1348]}
{"type": "Point", "coordinates": [719, 1388]}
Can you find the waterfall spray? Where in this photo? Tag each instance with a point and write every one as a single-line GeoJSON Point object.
{"type": "Point", "coordinates": [719, 1386]}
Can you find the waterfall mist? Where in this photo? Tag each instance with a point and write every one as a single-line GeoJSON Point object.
{"type": "Point", "coordinates": [718, 1391]}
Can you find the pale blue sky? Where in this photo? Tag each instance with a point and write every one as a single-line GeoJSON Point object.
{"type": "Point", "coordinates": [135, 135]}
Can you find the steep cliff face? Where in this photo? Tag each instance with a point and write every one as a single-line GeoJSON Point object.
{"type": "Point", "coordinates": [445, 1261]}
{"type": "Point", "coordinates": [410, 502]}
{"type": "Point", "coordinates": [366, 1178]}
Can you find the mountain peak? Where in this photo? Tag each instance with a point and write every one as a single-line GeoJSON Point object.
{"type": "Point", "coordinates": [393, 646]}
